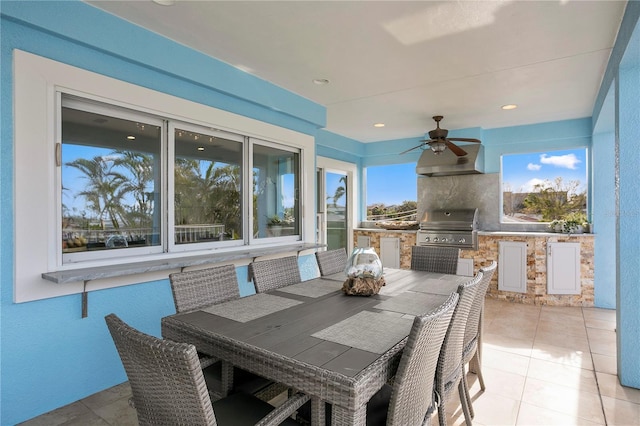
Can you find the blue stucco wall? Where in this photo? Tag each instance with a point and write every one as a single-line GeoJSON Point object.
{"type": "Point", "coordinates": [49, 355]}
{"type": "Point", "coordinates": [628, 227]}
{"type": "Point", "coordinates": [604, 220]}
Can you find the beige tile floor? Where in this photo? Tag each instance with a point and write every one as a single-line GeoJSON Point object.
{"type": "Point", "coordinates": [542, 366]}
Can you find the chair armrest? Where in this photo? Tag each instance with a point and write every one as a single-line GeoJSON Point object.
{"type": "Point", "coordinates": [288, 408]}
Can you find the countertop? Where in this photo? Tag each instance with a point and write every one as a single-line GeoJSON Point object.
{"type": "Point", "coordinates": [487, 233]}
{"type": "Point", "coordinates": [530, 234]}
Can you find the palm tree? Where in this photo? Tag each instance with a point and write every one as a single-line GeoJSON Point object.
{"type": "Point", "coordinates": [340, 190]}
{"type": "Point", "coordinates": [105, 188]}
{"type": "Point", "coordinates": [140, 168]}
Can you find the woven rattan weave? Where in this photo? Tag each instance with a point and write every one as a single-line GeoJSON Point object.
{"type": "Point", "coordinates": [435, 259]}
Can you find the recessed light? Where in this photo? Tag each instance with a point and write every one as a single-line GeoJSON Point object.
{"type": "Point", "coordinates": [201, 148]}
{"type": "Point", "coordinates": [131, 137]}
{"type": "Point", "coordinates": [378, 125]}
{"type": "Point", "coordinates": [320, 81]}
{"type": "Point", "coordinates": [509, 106]}
{"type": "Point", "coordinates": [164, 2]}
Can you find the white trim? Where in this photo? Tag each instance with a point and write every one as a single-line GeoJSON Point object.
{"type": "Point", "coordinates": [36, 81]}
{"type": "Point", "coordinates": [331, 165]}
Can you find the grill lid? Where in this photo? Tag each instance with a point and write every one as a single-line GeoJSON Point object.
{"type": "Point", "coordinates": [450, 219]}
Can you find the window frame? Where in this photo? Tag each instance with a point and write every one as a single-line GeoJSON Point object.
{"type": "Point", "coordinates": [66, 100]}
{"type": "Point", "coordinates": [286, 238]}
{"type": "Point", "coordinates": [171, 158]}
{"type": "Point", "coordinates": [37, 80]}
{"type": "Point", "coordinates": [541, 225]}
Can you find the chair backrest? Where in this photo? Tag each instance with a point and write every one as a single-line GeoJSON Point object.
{"type": "Point", "coordinates": [473, 322]}
{"type": "Point", "coordinates": [167, 383]}
{"type": "Point", "coordinates": [412, 394]}
{"type": "Point", "coordinates": [196, 289]}
{"type": "Point", "coordinates": [275, 273]}
{"type": "Point", "coordinates": [331, 261]}
{"type": "Point", "coordinates": [443, 260]}
{"type": "Point", "coordinates": [450, 361]}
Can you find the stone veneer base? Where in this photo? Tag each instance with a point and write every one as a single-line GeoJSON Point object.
{"type": "Point", "coordinates": [536, 263]}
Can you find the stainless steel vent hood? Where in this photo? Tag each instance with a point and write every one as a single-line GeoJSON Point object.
{"type": "Point", "coordinates": [448, 164]}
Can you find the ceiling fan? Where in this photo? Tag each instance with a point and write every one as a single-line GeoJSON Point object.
{"type": "Point", "coordinates": [438, 141]}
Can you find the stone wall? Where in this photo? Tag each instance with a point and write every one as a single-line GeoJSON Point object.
{"type": "Point", "coordinates": [537, 268]}
{"type": "Point", "coordinates": [536, 263]}
{"type": "Point", "coordinates": [407, 240]}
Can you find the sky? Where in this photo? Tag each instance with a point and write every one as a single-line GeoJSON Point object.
{"type": "Point", "coordinates": [392, 184]}
{"type": "Point", "coordinates": [520, 172]}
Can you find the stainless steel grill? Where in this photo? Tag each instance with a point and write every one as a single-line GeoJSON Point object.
{"type": "Point", "coordinates": [449, 228]}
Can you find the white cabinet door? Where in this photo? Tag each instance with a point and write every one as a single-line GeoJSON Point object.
{"type": "Point", "coordinates": [465, 267]}
{"type": "Point", "coordinates": [563, 268]}
{"type": "Point", "coordinates": [512, 266]}
{"type": "Point", "coordinates": [390, 252]}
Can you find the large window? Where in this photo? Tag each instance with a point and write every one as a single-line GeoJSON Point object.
{"type": "Point", "coordinates": [148, 216]}
{"type": "Point", "coordinates": [123, 172]}
{"type": "Point", "coordinates": [110, 174]}
{"type": "Point", "coordinates": [276, 177]}
{"type": "Point", "coordinates": [544, 186]}
{"type": "Point", "coordinates": [392, 192]}
{"type": "Point", "coordinates": [208, 186]}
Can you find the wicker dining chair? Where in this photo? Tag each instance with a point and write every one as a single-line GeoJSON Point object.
{"type": "Point", "coordinates": [472, 347]}
{"type": "Point", "coordinates": [274, 273]}
{"type": "Point", "coordinates": [331, 261]}
{"type": "Point", "coordinates": [450, 368]}
{"type": "Point", "coordinates": [410, 400]}
{"type": "Point", "coordinates": [196, 289]}
{"type": "Point", "coordinates": [169, 387]}
{"type": "Point", "coordinates": [442, 260]}
{"type": "Point", "coordinates": [193, 290]}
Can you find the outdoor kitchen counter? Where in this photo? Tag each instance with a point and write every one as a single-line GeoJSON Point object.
{"type": "Point", "coordinates": [488, 250]}
{"type": "Point", "coordinates": [530, 234]}
{"type": "Point", "coordinates": [536, 266]}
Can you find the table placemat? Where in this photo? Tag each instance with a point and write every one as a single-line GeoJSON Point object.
{"type": "Point", "coordinates": [411, 303]}
{"type": "Point", "coordinates": [369, 331]}
{"type": "Point", "coordinates": [251, 307]}
{"type": "Point", "coordinates": [437, 286]}
{"type": "Point", "coordinates": [313, 288]}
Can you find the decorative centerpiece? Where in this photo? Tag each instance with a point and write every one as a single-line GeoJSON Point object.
{"type": "Point", "coordinates": [364, 273]}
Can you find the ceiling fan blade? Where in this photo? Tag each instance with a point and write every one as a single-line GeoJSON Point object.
{"type": "Point", "coordinates": [465, 140]}
{"type": "Point", "coordinates": [455, 148]}
{"type": "Point", "coordinates": [411, 149]}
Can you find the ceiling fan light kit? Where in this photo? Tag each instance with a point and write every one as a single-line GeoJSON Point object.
{"type": "Point", "coordinates": [438, 141]}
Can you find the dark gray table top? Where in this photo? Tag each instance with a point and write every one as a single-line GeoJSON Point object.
{"type": "Point", "coordinates": [326, 330]}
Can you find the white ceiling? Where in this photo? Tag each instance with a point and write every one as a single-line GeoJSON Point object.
{"type": "Point", "coordinates": [399, 62]}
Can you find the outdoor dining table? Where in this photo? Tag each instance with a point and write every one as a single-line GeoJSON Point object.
{"type": "Point", "coordinates": [312, 337]}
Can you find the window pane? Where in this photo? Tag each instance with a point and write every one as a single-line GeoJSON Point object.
{"type": "Point", "coordinates": [392, 191]}
{"type": "Point", "coordinates": [544, 186]}
{"type": "Point", "coordinates": [110, 182]}
{"type": "Point", "coordinates": [208, 188]}
{"type": "Point", "coordinates": [276, 180]}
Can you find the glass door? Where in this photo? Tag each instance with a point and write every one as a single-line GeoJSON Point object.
{"type": "Point", "coordinates": [336, 199]}
{"type": "Point", "coordinates": [336, 210]}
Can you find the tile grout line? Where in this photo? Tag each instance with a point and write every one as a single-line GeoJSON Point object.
{"type": "Point", "coordinates": [593, 365]}
{"type": "Point", "coordinates": [526, 376]}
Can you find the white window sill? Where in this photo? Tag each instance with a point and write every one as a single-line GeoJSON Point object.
{"type": "Point", "coordinates": [110, 271]}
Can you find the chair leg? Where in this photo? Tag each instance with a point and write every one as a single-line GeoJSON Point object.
{"type": "Point", "coordinates": [464, 403]}
{"type": "Point", "coordinates": [467, 395]}
{"type": "Point", "coordinates": [478, 369]}
{"type": "Point", "coordinates": [442, 414]}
